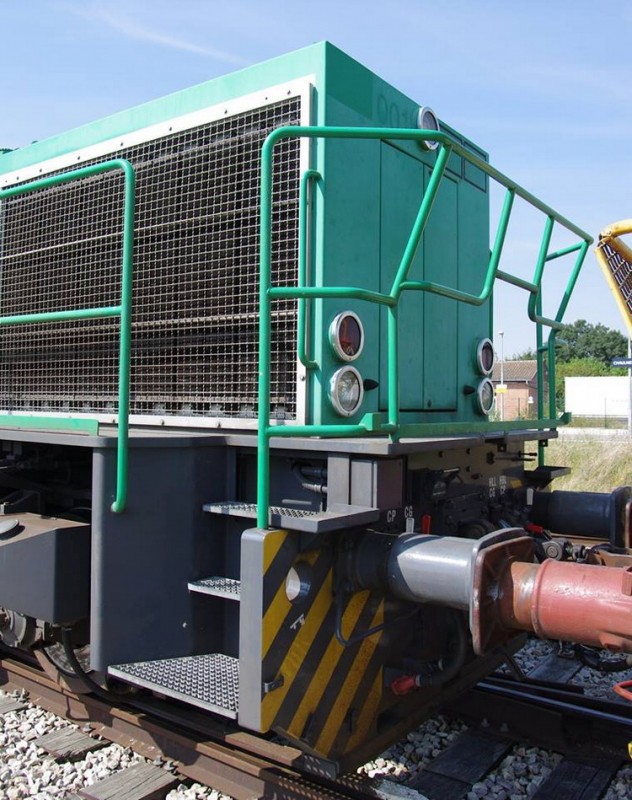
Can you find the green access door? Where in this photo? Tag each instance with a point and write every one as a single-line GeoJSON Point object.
{"type": "Point", "coordinates": [427, 322]}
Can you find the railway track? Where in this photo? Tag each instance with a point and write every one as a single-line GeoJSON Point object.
{"type": "Point", "coordinates": [236, 763]}
{"type": "Point", "coordinates": [590, 736]}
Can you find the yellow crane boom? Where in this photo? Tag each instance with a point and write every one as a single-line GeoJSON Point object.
{"type": "Point", "coordinates": [615, 259]}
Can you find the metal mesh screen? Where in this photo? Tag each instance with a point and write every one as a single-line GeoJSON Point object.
{"type": "Point", "coordinates": [195, 307]}
{"type": "Point", "coordinates": [621, 271]}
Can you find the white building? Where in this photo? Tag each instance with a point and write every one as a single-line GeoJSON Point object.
{"type": "Point", "coordinates": [598, 397]}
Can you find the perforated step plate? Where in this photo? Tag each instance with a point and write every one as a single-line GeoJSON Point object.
{"type": "Point", "coordinates": [297, 519]}
{"type": "Point", "coordinates": [208, 681]}
{"type": "Point", "coordinates": [228, 588]}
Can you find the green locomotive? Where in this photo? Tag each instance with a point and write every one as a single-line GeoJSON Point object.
{"type": "Point", "coordinates": [245, 398]}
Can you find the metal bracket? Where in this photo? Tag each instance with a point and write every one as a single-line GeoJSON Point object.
{"type": "Point", "coordinates": [270, 686]}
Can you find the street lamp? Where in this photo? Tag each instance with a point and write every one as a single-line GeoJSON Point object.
{"type": "Point", "coordinates": [502, 375]}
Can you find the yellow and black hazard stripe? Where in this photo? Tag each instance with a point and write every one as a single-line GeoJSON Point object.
{"type": "Point", "coordinates": [288, 631]}
{"type": "Point", "coordinates": [335, 716]}
{"type": "Point", "coordinates": [330, 693]}
{"type": "Point", "coordinates": [364, 705]}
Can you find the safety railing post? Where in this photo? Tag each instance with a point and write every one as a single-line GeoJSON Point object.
{"type": "Point", "coordinates": [125, 345]}
{"type": "Point", "coordinates": [539, 268]}
{"type": "Point", "coordinates": [540, 350]}
{"type": "Point", "coordinates": [263, 401]}
{"type": "Point", "coordinates": [309, 177]}
{"type": "Point", "coordinates": [552, 375]}
{"type": "Point", "coordinates": [393, 367]}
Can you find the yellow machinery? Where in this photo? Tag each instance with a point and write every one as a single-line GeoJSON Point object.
{"type": "Point", "coordinates": [615, 259]}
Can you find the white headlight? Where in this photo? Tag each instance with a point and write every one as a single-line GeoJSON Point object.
{"type": "Point", "coordinates": [485, 396]}
{"type": "Point", "coordinates": [346, 391]}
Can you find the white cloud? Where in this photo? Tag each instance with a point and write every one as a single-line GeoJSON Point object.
{"type": "Point", "coordinates": [97, 12]}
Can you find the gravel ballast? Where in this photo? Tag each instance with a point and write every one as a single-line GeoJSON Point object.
{"type": "Point", "coordinates": [522, 771]}
{"type": "Point", "coordinates": [26, 771]}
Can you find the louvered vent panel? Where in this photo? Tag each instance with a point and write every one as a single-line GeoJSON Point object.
{"type": "Point", "coordinates": [195, 310]}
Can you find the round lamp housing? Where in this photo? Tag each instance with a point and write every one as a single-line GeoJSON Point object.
{"type": "Point", "coordinates": [485, 397]}
{"type": "Point", "coordinates": [346, 336]}
{"type": "Point", "coordinates": [427, 120]}
{"type": "Point", "coordinates": [346, 391]}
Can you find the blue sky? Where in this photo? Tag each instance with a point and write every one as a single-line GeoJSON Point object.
{"type": "Point", "coordinates": [544, 87]}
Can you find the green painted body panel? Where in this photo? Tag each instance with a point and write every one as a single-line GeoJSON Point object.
{"type": "Point", "coordinates": [368, 201]}
{"type": "Point", "coordinates": [72, 424]}
{"type": "Point", "coordinates": [402, 186]}
{"type": "Point", "coordinates": [440, 319]}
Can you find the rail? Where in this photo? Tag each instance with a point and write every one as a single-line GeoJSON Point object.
{"type": "Point", "coordinates": [123, 310]}
{"type": "Point", "coordinates": [372, 423]}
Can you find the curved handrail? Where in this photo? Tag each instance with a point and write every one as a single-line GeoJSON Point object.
{"type": "Point", "coordinates": [123, 310]}
{"type": "Point", "coordinates": [401, 282]}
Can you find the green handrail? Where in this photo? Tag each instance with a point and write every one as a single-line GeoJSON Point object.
{"type": "Point", "coordinates": [401, 283]}
{"type": "Point", "coordinates": [419, 225]}
{"type": "Point", "coordinates": [308, 176]}
{"type": "Point", "coordinates": [123, 310]}
{"type": "Point", "coordinates": [492, 267]}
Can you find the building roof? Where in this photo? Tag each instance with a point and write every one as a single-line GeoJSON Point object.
{"type": "Point", "coordinates": [520, 371]}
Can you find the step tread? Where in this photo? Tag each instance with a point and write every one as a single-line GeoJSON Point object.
{"type": "Point", "coordinates": [217, 586]}
{"type": "Point", "coordinates": [337, 516]}
{"type": "Point", "coordinates": [209, 681]}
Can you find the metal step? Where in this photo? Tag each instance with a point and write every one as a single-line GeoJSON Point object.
{"type": "Point", "coordinates": [217, 586]}
{"type": "Point", "coordinates": [208, 681]}
{"type": "Point", "coordinates": [336, 517]}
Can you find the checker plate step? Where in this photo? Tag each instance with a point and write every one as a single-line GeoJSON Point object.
{"type": "Point", "coordinates": [217, 586]}
{"type": "Point", "coordinates": [298, 519]}
{"type": "Point", "coordinates": [207, 681]}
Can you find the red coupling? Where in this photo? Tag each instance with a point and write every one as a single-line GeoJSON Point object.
{"type": "Point", "coordinates": [582, 603]}
{"type": "Point", "coordinates": [404, 684]}
{"type": "Point", "coordinates": [426, 524]}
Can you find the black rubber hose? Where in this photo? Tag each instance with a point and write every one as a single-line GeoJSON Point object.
{"type": "Point", "coordinates": [591, 658]}
{"type": "Point", "coordinates": [455, 658]}
{"type": "Point", "coordinates": [51, 660]}
{"type": "Point", "coordinates": [301, 473]}
{"type": "Point", "coordinates": [80, 673]}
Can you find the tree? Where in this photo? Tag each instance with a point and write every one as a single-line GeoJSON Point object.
{"type": "Point", "coordinates": [526, 355]}
{"type": "Point", "coordinates": [582, 340]}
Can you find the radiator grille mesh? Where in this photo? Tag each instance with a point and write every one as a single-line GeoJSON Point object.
{"type": "Point", "coordinates": [621, 271]}
{"type": "Point", "coordinates": [195, 309]}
